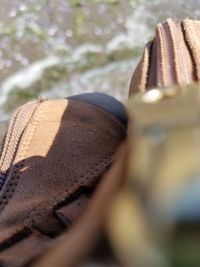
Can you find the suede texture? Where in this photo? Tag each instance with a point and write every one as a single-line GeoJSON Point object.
{"type": "Point", "coordinates": [63, 152]}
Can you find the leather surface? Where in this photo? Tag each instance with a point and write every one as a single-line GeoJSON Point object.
{"type": "Point", "coordinates": [63, 152]}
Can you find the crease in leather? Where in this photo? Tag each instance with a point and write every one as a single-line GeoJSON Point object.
{"type": "Point", "coordinates": [22, 252]}
{"type": "Point", "coordinates": [63, 199]}
{"type": "Point", "coordinates": [72, 210]}
{"type": "Point", "coordinates": [15, 238]}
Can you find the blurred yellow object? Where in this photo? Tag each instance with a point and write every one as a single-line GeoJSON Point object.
{"type": "Point", "coordinates": [162, 188]}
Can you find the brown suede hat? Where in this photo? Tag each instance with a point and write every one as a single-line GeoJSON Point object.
{"type": "Point", "coordinates": [53, 156]}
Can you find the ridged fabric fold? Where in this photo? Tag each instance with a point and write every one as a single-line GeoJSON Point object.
{"type": "Point", "coordinates": [171, 58]}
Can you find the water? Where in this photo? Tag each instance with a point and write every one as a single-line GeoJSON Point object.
{"type": "Point", "coordinates": [61, 47]}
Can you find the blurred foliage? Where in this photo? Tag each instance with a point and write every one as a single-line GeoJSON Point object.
{"type": "Point", "coordinates": [18, 97]}
{"type": "Point", "coordinates": [34, 30]}
{"type": "Point", "coordinates": [79, 3]}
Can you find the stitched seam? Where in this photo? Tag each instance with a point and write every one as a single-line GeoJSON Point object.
{"type": "Point", "coordinates": [193, 44]}
{"type": "Point", "coordinates": [14, 179]}
{"type": "Point", "coordinates": [185, 37]}
{"type": "Point", "coordinates": [82, 180]}
{"type": "Point", "coordinates": [14, 135]}
{"type": "Point", "coordinates": [83, 190]}
{"type": "Point", "coordinates": [103, 110]}
{"type": "Point", "coordinates": [77, 184]}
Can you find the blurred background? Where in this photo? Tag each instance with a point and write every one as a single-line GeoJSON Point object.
{"type": "Point", "coordinates": [57, 48]}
